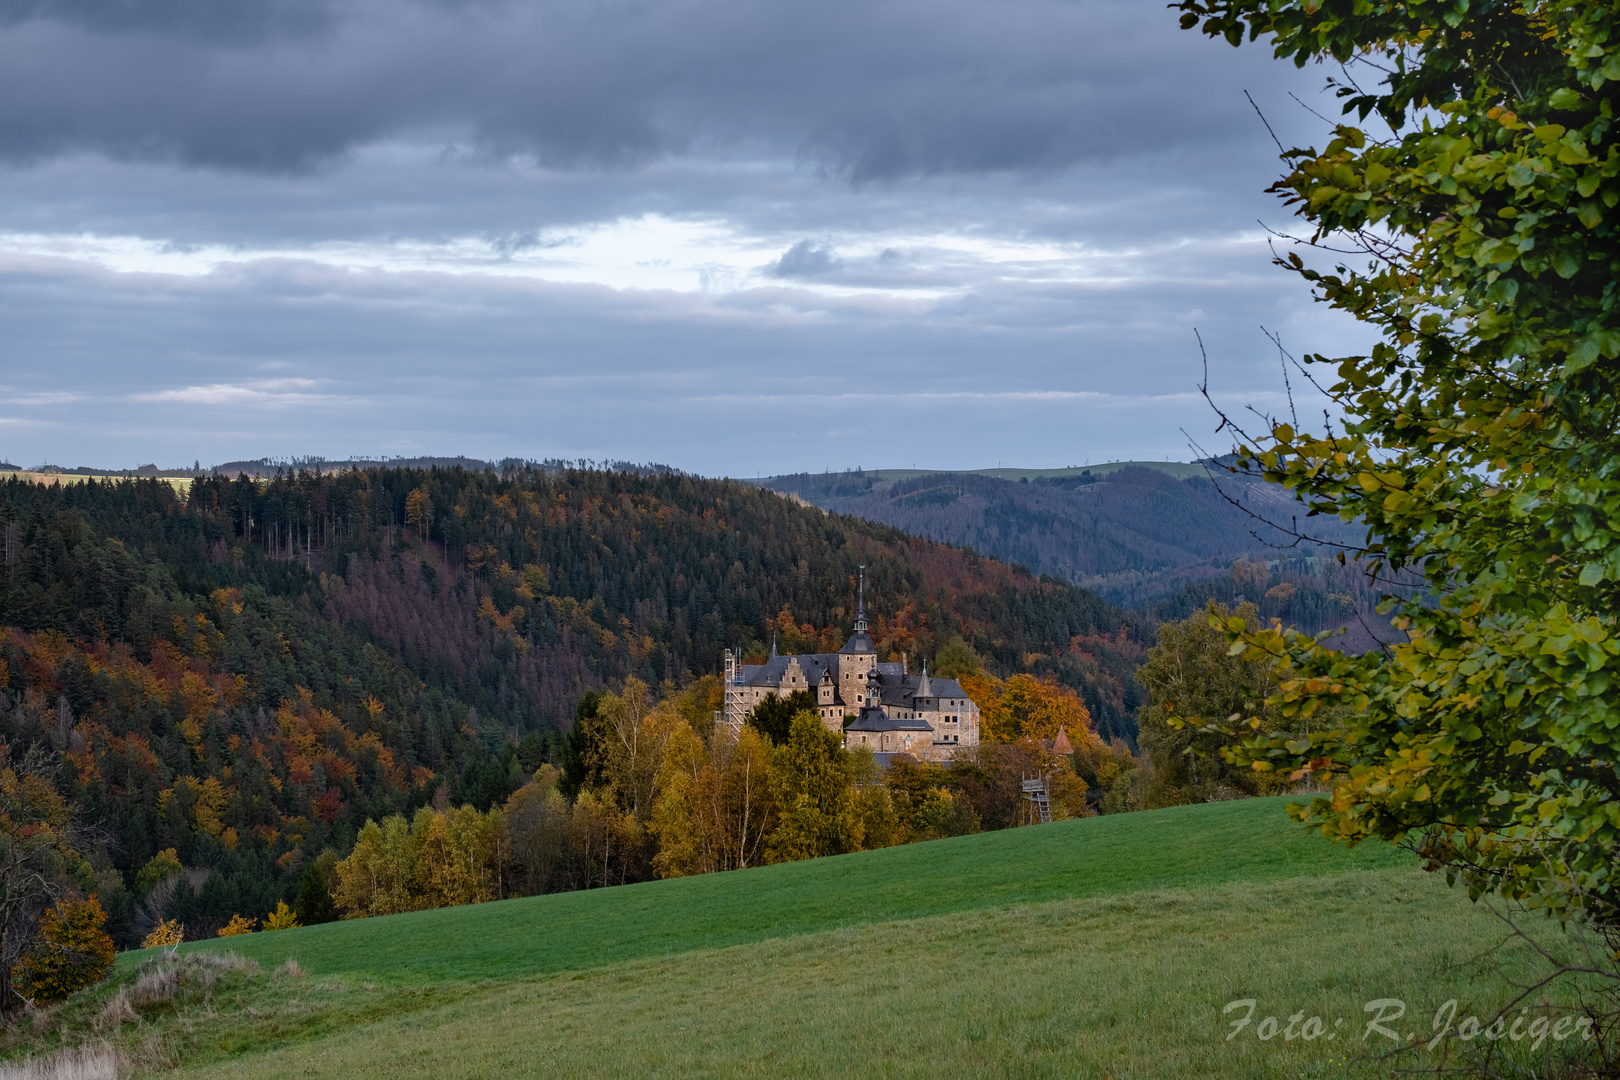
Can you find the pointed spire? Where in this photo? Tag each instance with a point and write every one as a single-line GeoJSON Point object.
{"type": "Point", "coordinates": [773, 644]}
{"type": "Point", "coordinates": [860, 604]}
{"type": "Point", "coordinates": [925, 689]}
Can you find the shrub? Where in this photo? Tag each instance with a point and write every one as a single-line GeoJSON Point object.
{"type": "Point", "coordinates": [73, 952]}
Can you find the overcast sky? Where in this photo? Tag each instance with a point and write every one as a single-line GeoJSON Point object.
{"type": "Point", "coordinates": [735, 236]}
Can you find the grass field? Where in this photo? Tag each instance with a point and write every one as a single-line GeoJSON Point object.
{"type": "Point", "coordinates": [182, 484]}
{"type": "Point", "coordinates": [1103, 947]}
{"type": "Point", "coordinates": [1237, 841]}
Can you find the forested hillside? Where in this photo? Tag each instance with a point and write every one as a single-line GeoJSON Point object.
{"type": "Point", "coordinates": [247, 674]}
{"type": "Point", "coordinates": [1135, 535]}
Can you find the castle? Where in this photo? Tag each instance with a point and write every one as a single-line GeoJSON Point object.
{"type": "Point", "coordinates": [873, 704]}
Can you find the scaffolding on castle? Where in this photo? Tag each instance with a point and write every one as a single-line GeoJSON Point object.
{"type": "Point", "coordinates": [732, 709]}
{"type": "Point", "coordinates": [1037, 801]}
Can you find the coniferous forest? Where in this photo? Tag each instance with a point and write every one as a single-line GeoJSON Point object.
{"type": "Point", "coordinates": [247, 673]}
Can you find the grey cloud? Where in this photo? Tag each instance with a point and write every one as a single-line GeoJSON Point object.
{"type": "Point", "coordinates": [1094, 125]}
{"type": "Point", "coordinates": [282, 356]}
{"type": "Point", "coordinates": [870, 90]}
{"type": "Point", "coordinates": [804, 260]}
{"type": "Point", "coordinates": [233, 22]}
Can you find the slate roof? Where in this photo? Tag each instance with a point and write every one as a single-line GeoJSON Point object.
{"type": "Point", "coordinates": [874, 719]}
{"type": "Point", "coordinates": [772, 671]}
{"type": "Point", "coordinates": [896, 689]}
{"type": "Point", "coordinates": [859, 642]}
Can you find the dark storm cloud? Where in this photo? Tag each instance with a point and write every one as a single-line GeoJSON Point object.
{"type": "Point", "coordinates": [866, 89]}
{"type": "Point", "coordinates": [232, 21]}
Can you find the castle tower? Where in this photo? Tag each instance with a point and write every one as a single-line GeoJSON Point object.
{"type": "Point", "coordinates": [858, 658]}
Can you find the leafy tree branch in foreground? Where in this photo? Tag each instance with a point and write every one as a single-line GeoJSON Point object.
{"type": "Point", "coordinates": [1480, 439]}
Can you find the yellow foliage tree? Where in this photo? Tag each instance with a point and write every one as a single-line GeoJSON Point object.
{"type": "Point", "coordinates": [167, 932]}
{"type": "Point", "coordinates": [604, 835]}
{"type": "Point", "coordinates": [377, 877]}
{"type": "Point", "coordinates": [419, 511]}
{"type": "Point", "coordinates": [631, 750]}
{"type": "Point", "coordinates": [455, 856]}
{"type": "Point", "coordinates": [714, 806]}
{"type": "Point", "coordinates": [685, 846]}
{"type": "Point", "coordinates": [282, 918]}
{"type": "Point", "coordinates": [239, 925]}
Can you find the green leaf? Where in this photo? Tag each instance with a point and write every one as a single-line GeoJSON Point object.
{"type": "Point", "coordinates": [1566, 99]}
{"type": "Point", "coordinates": [1583, 355]}
{"type": "Point", "coordinates": [1591, 573]}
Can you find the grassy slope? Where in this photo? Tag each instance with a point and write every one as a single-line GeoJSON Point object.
{"type": "Point", "coordinates": [1103, 947]}
{"type": "Point", "coordinates": [1186, 847]}
{"type": "Point", "coordinates": [1124, 987]}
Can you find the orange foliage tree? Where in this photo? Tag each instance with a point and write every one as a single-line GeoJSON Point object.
{"type": "Point", "coordinates": [1025, 707]}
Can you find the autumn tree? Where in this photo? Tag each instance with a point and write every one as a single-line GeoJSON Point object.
{"type": "Point", "coordinates": [926, 801]}
{"type": "Point", "coordinates": [714, 807]}
{"type": "Point", "coordinates": [378, 875]}
{"type": "Point", "coordinates": [283, 918]}
{"type": "Point", "coordinates": [1024, 706]}
{"type": "Point", "coordinates": [990, 777]}
{"type": "Point", "coordinates": [1481, 437]}
{"type": "Point", "coordinates": [456, 856]}
{"type": "Point", "coordinates": [40, 862]}
{"type": "Point", "coordinates": [629, 745]}
{"type": "Point", "coordinates": [419, 511]}
{"type": "Point", "coordinates": [747, 802]}
{"type": "Point", "coordinates": [685, 781]}
{"type": "Point", "coordinates": [72, 951]}
{"type": "Point", "coordinates": [607, 839]}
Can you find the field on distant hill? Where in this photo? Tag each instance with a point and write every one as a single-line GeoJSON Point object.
{"type": "Point", "coordinates": [179, 483]}
{"type": "Point", "coordinates": [1101, 947]}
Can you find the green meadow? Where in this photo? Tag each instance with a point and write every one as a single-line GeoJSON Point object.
{"type": "Point", "coordinates": [1105, 947]}
{"type": "Point", "coordinates": [180, 484]}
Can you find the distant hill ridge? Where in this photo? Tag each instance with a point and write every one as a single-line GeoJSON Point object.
{"type": "Point", "coordinates": [1160, 537]}
{"type": "Point", "coordinates": [266, 467]}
